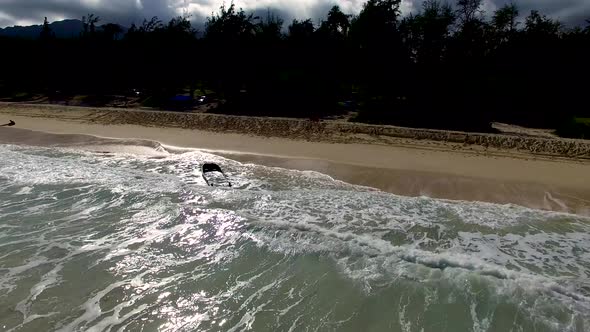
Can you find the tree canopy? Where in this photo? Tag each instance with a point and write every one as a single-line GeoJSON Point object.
{"type": "Point", "coordinates": [445, 66]}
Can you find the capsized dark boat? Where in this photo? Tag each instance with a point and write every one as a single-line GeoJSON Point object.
{"type": "Point", "coordinates": [214, 176]}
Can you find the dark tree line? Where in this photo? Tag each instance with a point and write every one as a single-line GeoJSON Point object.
{"type": "Point", "coordinates": [452, 67]}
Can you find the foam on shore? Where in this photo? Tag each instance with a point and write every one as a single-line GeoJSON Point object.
{"type": "Point", "coordinates": [402, 182]}
{"type": "Point", "coordinates": [98, 240]}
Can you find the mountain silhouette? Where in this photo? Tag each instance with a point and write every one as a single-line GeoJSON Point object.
{"type": "Point", "coordinates": [70, 28]}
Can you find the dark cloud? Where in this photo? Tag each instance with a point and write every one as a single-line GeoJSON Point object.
{"type": "Point", "coordinates": [570, 12]}
{"type": "Point", "coordinates": [127, 11]}
{"type": "Point", "coordinates": [120, 11]}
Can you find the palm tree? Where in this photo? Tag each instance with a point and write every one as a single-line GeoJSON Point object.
{"type": "Point", "coordinates": [89, 23]}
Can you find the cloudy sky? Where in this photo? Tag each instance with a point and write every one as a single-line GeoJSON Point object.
{"type": "Point", "coordinates": [27, 12]}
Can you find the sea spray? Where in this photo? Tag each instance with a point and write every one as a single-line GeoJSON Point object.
{"type": "Point", "coordinates": [108, 238]}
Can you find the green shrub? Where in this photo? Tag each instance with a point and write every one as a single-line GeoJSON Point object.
{"type": "Point", "coordinates": [575, 128]}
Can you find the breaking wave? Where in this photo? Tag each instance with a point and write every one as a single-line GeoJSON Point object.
{"type": "Point", "coordinates": [109, 235]}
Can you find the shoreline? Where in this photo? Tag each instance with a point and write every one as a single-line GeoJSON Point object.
{"type": "Point", "coordinates": [417, 183]}
{"type": "Point", "coordinates": [538, 182]}
{"type": "Point", "coordinates": [329, 131]}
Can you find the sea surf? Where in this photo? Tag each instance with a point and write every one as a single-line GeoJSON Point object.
{"type": "Point", "coordinates": [112, 236]}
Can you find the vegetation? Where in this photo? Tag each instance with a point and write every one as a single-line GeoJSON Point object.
{"type": "Point", "coordinates": [450, 67]}
{"type": "Point", "coordinates": [575, 128]}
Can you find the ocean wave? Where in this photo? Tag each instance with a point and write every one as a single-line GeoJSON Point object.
{"type": "Point", "coordinates": [107, 241]}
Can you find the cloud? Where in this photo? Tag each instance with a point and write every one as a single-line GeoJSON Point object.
{"type": "Point", "coordinates": [120, 11]}
{"type": "Point", "coordinates": [23, 12]}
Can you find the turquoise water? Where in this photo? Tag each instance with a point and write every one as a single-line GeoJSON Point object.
{"type": "Point", "coordinates": [94, 241]}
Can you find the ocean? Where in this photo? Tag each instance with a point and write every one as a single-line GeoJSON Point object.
{"type": "Point", "coordinates": [123, 237]}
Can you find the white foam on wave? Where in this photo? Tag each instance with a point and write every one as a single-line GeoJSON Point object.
{"type": "Point", "coordinates": [31, 169]}
{"type": "Point", "coordinates": [374, 238]}
{"type": "Point", "coordinates": [385, 211]}
{"type": "Point", "coordinates": [24, 191]}
{"type": "Point", "coordinates": [379, 236]}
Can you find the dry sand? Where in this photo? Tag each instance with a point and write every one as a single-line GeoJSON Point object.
{"type": "Point", "coordinates": [438, 169]}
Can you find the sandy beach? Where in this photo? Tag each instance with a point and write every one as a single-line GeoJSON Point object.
{"type": "Point", "coordinates": [436, 168]}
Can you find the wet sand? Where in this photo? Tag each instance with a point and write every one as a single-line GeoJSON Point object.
{"type": "Point", "coordinates": [418, 168]}
{"type": "Point", "coordinates": [537, 195]}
